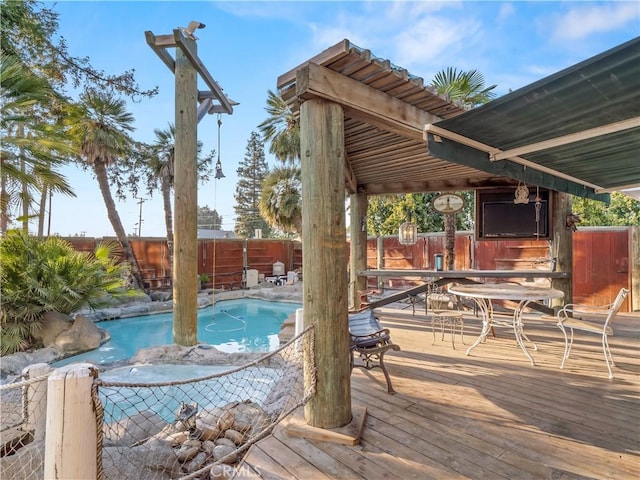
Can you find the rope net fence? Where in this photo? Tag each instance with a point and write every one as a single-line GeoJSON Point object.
{"type": "Point", "coordinates": [189, 429]}
{"type": "Point", "coordinates": [23, 404]}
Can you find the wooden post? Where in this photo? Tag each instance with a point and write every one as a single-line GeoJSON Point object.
{"type": "Point", "coordinates": [36, 400]}
{"type": "Point", "coordinates": [358, 246]}
{"type": "Point", "coordinates": [563, 246]}
{"type": "Point", "coordinates": [634, 241]}
{"type": "Point", "coordinates": [71, 437]}
{"type": "Point", "coordinates": [380, 260]}
{"type": "Point", "coordinates": [325, 262]}
{"type": "Point", "coordinates": [185, 258]}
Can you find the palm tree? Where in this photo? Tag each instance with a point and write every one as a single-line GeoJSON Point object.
{"type": "Point", "coordinates": [468, 88]}
{"type": "Point", "coordinates": [281, 129]}
{"type": "Point", "coordinates": [280, 202]}
{"type": "Point", "coordinates": [100, 126]}
{"type": "Point", "coordinates": [281, 199]}
{"type": "Point", "coordinates": [31, 146]}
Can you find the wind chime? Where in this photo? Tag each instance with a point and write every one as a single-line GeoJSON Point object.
{"type": "Point", "coordinates": [538, 207]}
{"type": "Point", "coordinates": [218, 176]}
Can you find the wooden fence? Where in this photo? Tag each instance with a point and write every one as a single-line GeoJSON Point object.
{"type": "Point", "coordinates": [605, 258]}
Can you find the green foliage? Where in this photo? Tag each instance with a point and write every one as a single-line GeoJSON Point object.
{"type": "Point", "coordinates": [621, 211]}
{"type": "Point", "coordinates": [251, 174]}
{"type": "Point", "coordinates": [466, 87]}
{"type": "Point", "coordinates": [281, 199]}
{"type": "Point", "coordinates": [386, 213]}
{"type": "Point", "coordinates": [209, 219]}
{"type": "Point", "coordinates": [39, 276]}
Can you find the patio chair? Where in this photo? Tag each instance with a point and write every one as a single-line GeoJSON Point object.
{"type": "Point", "coordinates": [370, 341]}
{"type": "Point", "coordinates": [580, 317]}
{"type": "Point", "coordinates": [442, 315]}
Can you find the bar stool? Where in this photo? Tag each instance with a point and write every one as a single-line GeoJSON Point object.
{"type": "Point", "coordinates": [445, 317]}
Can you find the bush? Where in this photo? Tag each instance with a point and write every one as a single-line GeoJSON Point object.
{"type": "Point", "coordinates": [41, 275]}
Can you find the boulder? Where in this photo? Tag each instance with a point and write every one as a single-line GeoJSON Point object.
{"type": "Point", "coordinates": [82, 336]}
{"type": "Point", "coordinates": [53, 324]}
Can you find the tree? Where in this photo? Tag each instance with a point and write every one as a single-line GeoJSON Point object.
{"type": "Point", "coordinates": [251, 174]}
{"type": "Point", "coordinates": [32, 146]}
{"type": "Point", "coordinates": [281, 199]}
{"type": "Point", "coordinates": [281, 129]}
{"type": "Point", "coordinates": [387, 212]}
{"type": "Point", "coordinates": [468, 88]}
{"type": "Point", "coordinates": [622, 210]}
{"type": "Point", "coordinates": [209, 219]}
{"type": "Point", "coordinates": [100, 125]}
{"type": "Point", "coordinates": [465, 87]}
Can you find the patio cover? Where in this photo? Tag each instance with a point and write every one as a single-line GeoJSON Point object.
{"type": "Point", "coordinates": [577, 131]}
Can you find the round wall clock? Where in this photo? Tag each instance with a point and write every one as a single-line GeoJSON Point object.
{"type": "Point", "coordinates": [448, 203]}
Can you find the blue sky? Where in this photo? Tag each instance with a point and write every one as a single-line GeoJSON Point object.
{"type": "Point", "coordinates": [247, 45]}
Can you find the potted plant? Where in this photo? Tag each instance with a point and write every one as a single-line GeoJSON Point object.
{"type": "Point", "coordinates": [204, 280]}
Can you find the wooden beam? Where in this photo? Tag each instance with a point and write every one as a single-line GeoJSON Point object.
{"type": "Point", "coordinates": [349, 177]}
{"type": "Point", "coordinates": [566, 139]}
{"type": "Point", "coordinates": [167, 59]}
{"type": "Point", "coordinates": [185, 258]}
{"type": "Point", "coordinates": [362, 102]}
{"type": "Point", "coordinates": [324, 262]}
{"type": "Point", "coordinates": [357, 247]}
{"type": "Point", "coordinates": [333, 53]}
{"type": "Point", "coordinates": [192, 55]}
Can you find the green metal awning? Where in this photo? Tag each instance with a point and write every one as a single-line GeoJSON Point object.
{"type": "Point", "coordinates": [577, 131]}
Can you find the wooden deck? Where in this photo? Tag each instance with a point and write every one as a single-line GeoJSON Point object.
{"type": "Point", "coordinates": [490, 415]}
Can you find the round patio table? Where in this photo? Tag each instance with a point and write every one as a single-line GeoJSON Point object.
{"type": "Point", "coordinates": [484, 293]}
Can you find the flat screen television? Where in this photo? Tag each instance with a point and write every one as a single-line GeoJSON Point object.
{"type": "Point", "coordinates": [498, 217]}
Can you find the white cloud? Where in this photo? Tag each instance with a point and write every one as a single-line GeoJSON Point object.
{"type": "Point", "coordinates": [584, 20]}
{"type": "Point", "coordinates": [506, 10]}
{"type": "Point", "coordinates": [432, 38]}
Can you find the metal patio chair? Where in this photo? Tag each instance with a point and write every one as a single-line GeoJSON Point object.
{"type": "Point", "coordinates": [370, 341]}
{"type": "Point", "coordinates": [581, 317]}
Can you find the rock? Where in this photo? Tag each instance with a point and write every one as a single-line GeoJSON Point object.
{"type": "Point", "coordinates": [82, 336]}
{"type": "Point", "coordinates": [134, 429]}
{"type": "Point", "coordinates": [188, 450]}
{"type": "Point", "coordinates": [235, 436]}
{"type": "Point", "coordinates": [225, 421]}
{"type": "Point", "coordinates": [222, 451]}
{"type": "Point", "coordinates": [197, 462]}
{"type": "Point", "coordinates": [226, 442]}
{"type": "Point", "coordinates": [53, 324]}
{"type": "Point", "coordinates": [15, 363]}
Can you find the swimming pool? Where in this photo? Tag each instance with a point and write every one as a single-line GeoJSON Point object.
{"type": "Point", "coordinates": [242, 325]}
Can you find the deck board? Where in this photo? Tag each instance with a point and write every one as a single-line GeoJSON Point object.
{"type": "Point", "coordinates": [489, 415]}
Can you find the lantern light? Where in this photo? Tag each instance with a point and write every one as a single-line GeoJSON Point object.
{"type": "Point", "coordinates": [408, 233]}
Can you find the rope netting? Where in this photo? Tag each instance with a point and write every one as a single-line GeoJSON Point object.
{"type": "Point", "coordinates": [184, 428]}
{"type": "Point", "coordinates": [23, 404]}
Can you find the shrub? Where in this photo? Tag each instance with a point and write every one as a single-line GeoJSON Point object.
{"type": "Point", "coordinates": [41, 275]}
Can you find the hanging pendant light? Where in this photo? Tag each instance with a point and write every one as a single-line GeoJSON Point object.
{"type": "Point", "coordinates": [408, 233]}
{"type": "Point", "coordinates": [219, 173]}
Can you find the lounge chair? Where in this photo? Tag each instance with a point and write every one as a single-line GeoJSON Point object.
{"type": "Point", "coordinates": [370, 341]}
{"type": "Point", "coordinates": [581, 318]}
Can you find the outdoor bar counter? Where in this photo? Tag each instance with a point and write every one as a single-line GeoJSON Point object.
{"type": "Point", "coordinates": [442, 277]}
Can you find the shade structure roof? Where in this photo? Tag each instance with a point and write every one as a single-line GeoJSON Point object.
{"type": "Point", "coordinates": [577, 130]}
{"type": "Point", "coordinates": [387, 110]}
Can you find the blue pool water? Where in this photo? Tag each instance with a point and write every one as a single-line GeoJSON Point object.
{"type": "Point", "coordinates": [243, 325]}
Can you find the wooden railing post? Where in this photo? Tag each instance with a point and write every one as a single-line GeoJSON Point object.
{"type": "Point", "coordinates": [71, 438]}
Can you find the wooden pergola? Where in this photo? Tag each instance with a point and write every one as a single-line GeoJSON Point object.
{"type": "Point", "coordinates": [362, 123]}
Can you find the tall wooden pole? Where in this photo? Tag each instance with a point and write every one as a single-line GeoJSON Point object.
{"type": "Point", "coordinates": [325, 263]}
{"type": "Point", "coordinates": [561, 205]}
{"type": "Point", "coordinates": [185, 258]}
{"type": "Point", "coordinates": [358, 246]}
